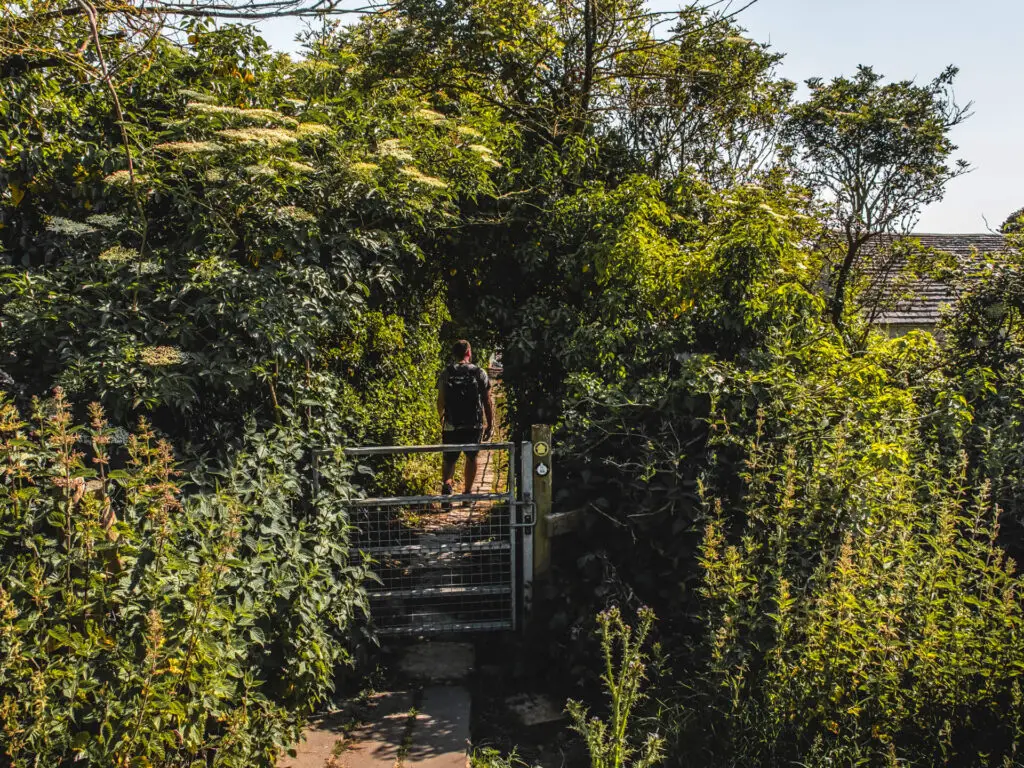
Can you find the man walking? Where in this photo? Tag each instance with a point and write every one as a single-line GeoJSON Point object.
{"type": "Point", "coordinates": [466, 409]}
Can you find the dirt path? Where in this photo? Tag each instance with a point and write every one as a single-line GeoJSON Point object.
{"type": "Point", "coordinates": [492, 470]}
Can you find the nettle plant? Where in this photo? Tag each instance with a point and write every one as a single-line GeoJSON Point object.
{"type": "Point", "coordinates": [142, 627]}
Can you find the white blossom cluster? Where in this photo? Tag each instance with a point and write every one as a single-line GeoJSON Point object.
{"type": "Point", "coordinates": [486, 154]}
{"type": "Point", "coordinates": [314, 129]}
{"type": "Point", "coordinates": [162, 355]}
{"type": "Point", "coordinates": [189, 147]}
{"type": "Point", "coordinates": [261, 169]}
{"type": "Point", "coordinates": [238, 113]}
{"type": "Point", "coordinates": [269, 136]}
{"type": "Point", "coordinates": [468, 132]}
{"type": "Point", "coordinates": [123, 178]}
{"type": "Point", "coordinates": [300, 167]}
{"type": "Point", "coordinates": [430, 115]}
{"type": "Point", "coordinates": [296, 214]}
{"type": "Point", "coordinates": [119, 255]}
{"type": "Point", "coordinates": [364, 167]}
{"type": "Point", "coordinates": [393, 148]}
{"type": "Point", "coordinates": [61, 226]}
{"type": "Point", "coordinates": [421, 178]}
{"type": "Point", "coordinates": [106, 220]}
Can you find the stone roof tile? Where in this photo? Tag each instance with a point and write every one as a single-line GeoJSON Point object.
{"type": "Point", "coordinates": [931, 295]}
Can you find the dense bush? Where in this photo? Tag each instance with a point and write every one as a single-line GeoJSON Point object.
{"type": "Point", "coordinates": [854, 601]}
{"type": "Point", "coordinates": [238, 287]}
{"type": "Point", "coordinates": [248, 265]}
{"type": "Point", "coordinates": [856, 604]}
{"type": "Point", "coordinates": [984, 360]}
{"type": "Point", "coordinates": [143, 627]}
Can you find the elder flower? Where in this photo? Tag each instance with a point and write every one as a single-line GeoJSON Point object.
{"type": "Point", "coordinates": [61, 226]}
{"type": "Point", "coordinates": [422, 178]}
{"type": "Point", "coordinates": [119, 255]}
{"type": "Point", "coordinates": [269, 136]}
{"type": "Point", "coordinates": [296, 214]}
{"type": "Point", "coordinates": [189, 147]}
{"type": "Point", "coordinates": [162, 355]}
{"type": "Point", "coordinates": [123, 178]}
{"type": "Point", "coordinates": [105, 220]}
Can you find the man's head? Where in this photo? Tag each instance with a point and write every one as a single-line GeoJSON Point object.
{"type": "Point", "coordinates": [461, 351]}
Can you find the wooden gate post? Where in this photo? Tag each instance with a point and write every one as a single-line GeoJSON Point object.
{"type": "Point", "coordinates": [542, 473]}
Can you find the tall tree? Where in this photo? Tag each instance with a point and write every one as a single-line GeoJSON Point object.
{"type": "Point", "coordinates": [661, 91]}
{"type": "Point", "coordinates": [708, 100]}
{"type": "Point", "coordinates": [876, 154]}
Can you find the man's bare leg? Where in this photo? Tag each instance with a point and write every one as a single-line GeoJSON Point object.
{"type": "Point", "coordinates": [448, 470]}
{"type": "Point", "coordinates": [470, 473]}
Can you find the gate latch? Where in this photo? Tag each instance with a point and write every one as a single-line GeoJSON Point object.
{"type": "Point", "coordinates": [529, 516]}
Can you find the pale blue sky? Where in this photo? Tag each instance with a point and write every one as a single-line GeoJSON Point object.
{"type": "Point", "coordinates": [904, 39]}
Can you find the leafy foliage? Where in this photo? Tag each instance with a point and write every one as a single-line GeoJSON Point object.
{"type": "Point", "coordinates": [859, 607]}
{"type": "Point", "coordinates": [984, 360]}
{"type": "Point", "coordinates": [1012, 224]}
{"type": "Point", "coordinates": [237, 286]}
{"type": "Point", "coordinates": [142, 626]}
{"type": "Point", "coordinates": [242, 210]}
{"type": "Point", "coordinates": [852, 603]}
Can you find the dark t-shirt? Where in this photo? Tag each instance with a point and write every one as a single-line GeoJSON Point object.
{"type": "Point", "coordinates": [463, 405]}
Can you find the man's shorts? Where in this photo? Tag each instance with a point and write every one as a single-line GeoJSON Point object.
{"type": "Point", "coordinates": [461, 436]}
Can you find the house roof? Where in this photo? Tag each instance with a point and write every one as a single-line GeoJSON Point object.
{"type": "Point", "coordinates": [929, 294]}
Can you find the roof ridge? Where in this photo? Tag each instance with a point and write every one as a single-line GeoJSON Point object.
{"type": "Point", "coordinates": [956, 234]}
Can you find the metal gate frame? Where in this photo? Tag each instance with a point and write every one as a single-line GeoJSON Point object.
{"type": "Point", "coordinates": [518, 497]}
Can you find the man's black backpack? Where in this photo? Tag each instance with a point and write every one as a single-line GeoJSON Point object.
{"type": "Point", "coordinates": [462, 391]}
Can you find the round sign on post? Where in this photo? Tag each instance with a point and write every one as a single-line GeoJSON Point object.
{"type": "Point", "coordinates": [540, 477]}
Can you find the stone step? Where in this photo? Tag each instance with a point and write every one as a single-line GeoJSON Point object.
{"type": "Point", "coordinates": [440, 737]}
{"type": "Point", "coordinates": [437, 737]}
{"type": "Point", "coordinates": [452, 590]}
{"type": "Point", "coordinates": [377, 744]}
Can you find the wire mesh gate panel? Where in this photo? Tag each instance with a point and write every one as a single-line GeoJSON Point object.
{"type": "Point", "coordinates": [445, 563]}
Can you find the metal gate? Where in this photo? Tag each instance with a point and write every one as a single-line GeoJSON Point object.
{"type": "Point", "coordinates": [459, 563]}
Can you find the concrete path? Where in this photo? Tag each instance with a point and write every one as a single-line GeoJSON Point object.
{"type": "Point", "coordinates": [440, 738]}
{"type": "Point", "coordinates": [425, 725]}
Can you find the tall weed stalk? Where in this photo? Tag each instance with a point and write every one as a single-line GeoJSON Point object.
{"type": "Point", "coordinates": [610, 741]}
